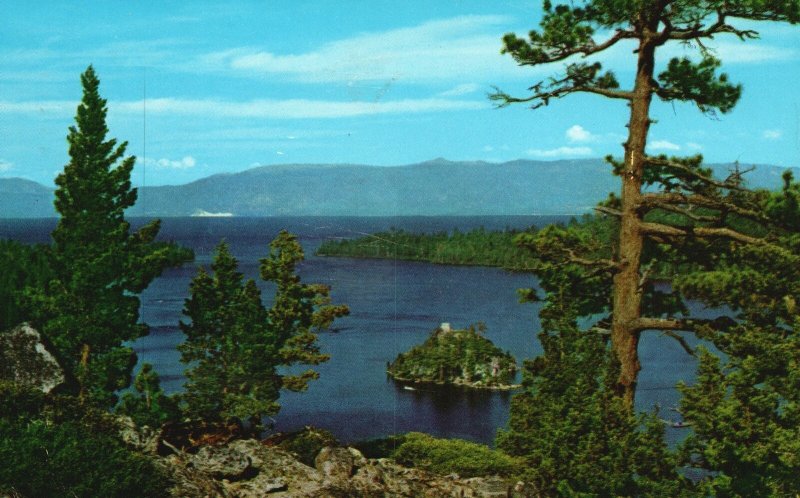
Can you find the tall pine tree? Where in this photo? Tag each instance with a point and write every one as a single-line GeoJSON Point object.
{"type": "Point", "coordinates": [90, 307]}
{"type": "Point", "coordinates": [712, 239]}
{"type": "Point", "coordinates": [709, 215]}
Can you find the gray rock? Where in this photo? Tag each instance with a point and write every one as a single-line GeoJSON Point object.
{"type": "Point", "coordinates": [222, 462]}
{"type": "Point", "coordinates": [25, 359]}
{"type": "Point", "coordinates": [335, 463]}
{"type": "Point", "coordinates": [144, 439]}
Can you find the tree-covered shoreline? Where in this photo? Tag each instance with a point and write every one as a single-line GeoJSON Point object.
{"type": "Point", "coordinates": [477, 247]}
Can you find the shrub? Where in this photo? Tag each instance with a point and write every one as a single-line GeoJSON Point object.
{"type": "Point", "coordinates": [448, 456]}
{"type": "Point", "coordinates": [44, 460]}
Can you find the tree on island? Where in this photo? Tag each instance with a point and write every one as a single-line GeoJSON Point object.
{"type": "Point", "coordinates": [235, 346]}
{"type": "Point", "coordinates": [90, 307]}
{"type": "Point", "coordinates": [714, 239]}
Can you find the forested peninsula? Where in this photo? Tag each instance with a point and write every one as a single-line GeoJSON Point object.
{"type": "Point", "coordinates": [477, 247]}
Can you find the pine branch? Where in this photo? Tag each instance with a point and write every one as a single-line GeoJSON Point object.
{"type": "Point", "coordinates": [605, 264]}
{"type": "Point", "coordinates": [505, 99]}
{"type": "Point", "coordinates": [685, 212]}
{"type": "Point", "coordinates": [585, 50]}
{"type": "Point", "coordinates": [704, 232]}
{"type": "Point", "coordinates": [727, 185]}
{"type": "Point", "coordinates": [663, 201]}
{"type": "Point", "coordinates": [608, 210]}
{"type": "Point", "coordinates": [697, 31]}
{"type": "Point", "coordinates": [681, 341]}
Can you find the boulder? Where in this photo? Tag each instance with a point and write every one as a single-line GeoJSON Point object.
{"type": "Point", "coordinates": [26, 360]}
{"type": "Point", "coordinates": [336, 463]}
{"type": "Point", "coordinates": [144, 439]}
{"type": "Point", "coordinates": [223, 462]}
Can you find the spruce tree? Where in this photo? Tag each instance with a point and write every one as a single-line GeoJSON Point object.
{"type": "Point", "coordinates": [91, 306]}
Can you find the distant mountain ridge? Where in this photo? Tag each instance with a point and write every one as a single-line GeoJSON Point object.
{"type": "Point", "coordinates": [433, 188]}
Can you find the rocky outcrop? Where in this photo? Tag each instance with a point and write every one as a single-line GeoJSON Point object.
{"type": "Point", "coordinates": [25, 359]}
{"type": "Point", "coordinates": [247, 468]}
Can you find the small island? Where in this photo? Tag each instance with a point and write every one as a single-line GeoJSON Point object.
{"type": "Point", "coordinates": [456, 357]}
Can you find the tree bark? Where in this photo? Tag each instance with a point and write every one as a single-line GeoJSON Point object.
{"type": "Point", "coordinates": [627, 295]}
{"type": "Point", "coordinates": [84, 366]}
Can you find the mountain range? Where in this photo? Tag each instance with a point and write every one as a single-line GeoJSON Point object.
{"type": "Point", "coordinates": [432, 188]}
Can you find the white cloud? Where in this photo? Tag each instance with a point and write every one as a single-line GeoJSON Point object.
{"type": "Point", "coordinates": [694, 146]}
{"type": "Point", "coordinates": [49, 106]}
{"type": "Point", "coordinates": [185, 163]}
{"type": "Point", "coordinates": [577, 133]}
{"type": "Point", "coordinates": [455, 48]}
{"type": "Point", "coordinates": [295, 108]}
{"type": "Point", "coordinates": [6, 165]}
{"type": "Point", "coordinates": [663, 145]}
{"type": "Point", "coordinates": [561, 151]}
{"type": "Point", "coordinates": [463, 89]}
{"type": "Point", "coordinates": [261, 108]}
{"type": "Point", "coordinates": [772, 134]}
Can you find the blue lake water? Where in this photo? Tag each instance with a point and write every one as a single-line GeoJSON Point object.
{"type": "Point", "coordinates": [393, 306]}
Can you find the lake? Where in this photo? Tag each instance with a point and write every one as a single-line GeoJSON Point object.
{"type": "Point", "coordinates": [393, 306]}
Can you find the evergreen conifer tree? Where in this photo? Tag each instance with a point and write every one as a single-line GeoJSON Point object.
{"type": "Point", "coordinates": [709, 215]}
{"type": "Point", "coordinates": [235, 346]}
{"type": "Point", "coordinates": [712, 239]}
{"type": "Point", "coordinates": [90, 307]}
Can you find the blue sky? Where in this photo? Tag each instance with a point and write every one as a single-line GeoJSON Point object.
{"type": "Point", "coordinates": [198, 88]}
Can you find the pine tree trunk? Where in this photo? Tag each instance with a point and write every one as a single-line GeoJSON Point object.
{"type": "Point", "coordinates": [627, 297]}
{"type": "Point", "coordinates": [84, 367]}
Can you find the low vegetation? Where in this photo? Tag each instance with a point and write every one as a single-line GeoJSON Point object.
{"type": "Point", "coordinates": [55, 447]}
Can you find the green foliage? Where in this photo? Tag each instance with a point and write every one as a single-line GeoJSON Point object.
{"type": "Point", "coordinates": [574, 434]}
{"type": "Point", "coordinates": [476, 247]}
{"type": "Point", "coordinates": [58, 447]}
{"type": "Point", "coordinates": [381, 447]}
{"type": "Point", "coordinates": [149, 406]}
{"type": "Point", "coordinates": [68, 459]}
{"type": "Point", "coordinates": [22, 266]}
{"type": "Point", "coordinates": [448, 456]}
{"type": "Point", "coordinates": [456, 357]}
{"type": "Point", "coordinates": [234, 345]}
{"type": "Point", "coordinates": [715, 240]}
{"type": "Point", "coordinates": [307, 443]}
{"type": "Point", "coordinates": [90, 307]}
{"type": "Point", "coordinates": [299, 310]}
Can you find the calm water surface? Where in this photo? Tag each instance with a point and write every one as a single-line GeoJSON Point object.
{"type": "Point", "coordinates": [393, 306]}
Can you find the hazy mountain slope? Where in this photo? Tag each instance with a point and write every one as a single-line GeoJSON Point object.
{"type": "Point", "coordinates": [437, 187]}
{"type": "Point", "coordinates": [21, 198]}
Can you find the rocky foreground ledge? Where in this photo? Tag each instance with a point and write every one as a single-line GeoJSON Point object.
{"type": "Point", "coordinates": [250, 468]}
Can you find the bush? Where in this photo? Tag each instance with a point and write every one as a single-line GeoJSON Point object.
{"type": "Point", "coordinates": [68, 459]}
{"type": "Point", "coordinates": [307, 443]}
{"type": "Point", "coordinates": [381, 447]}
{"type": "Point", "coordinates": [448, 456]}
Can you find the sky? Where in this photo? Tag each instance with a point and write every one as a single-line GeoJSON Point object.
{"type": "Point", "coordinates": [199, 88]}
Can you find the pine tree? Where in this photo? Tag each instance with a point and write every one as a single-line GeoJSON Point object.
{"type": "Point", "coordinates": [711, 239]}
{"type": "Point", "coordinates": [706, 210]}
{"type": "Point", "coordinates": [235, 346]}
{"type": "Point", "coordinates": [90, 307]}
